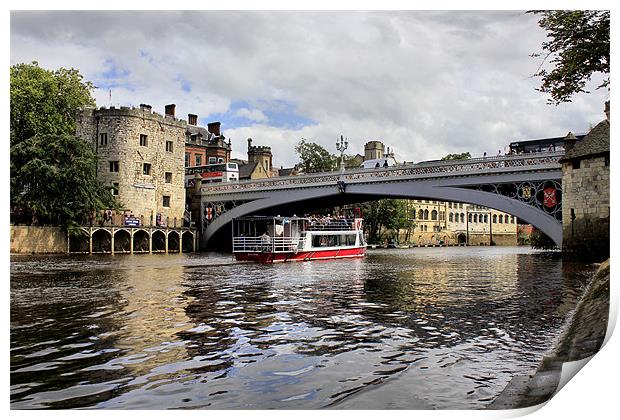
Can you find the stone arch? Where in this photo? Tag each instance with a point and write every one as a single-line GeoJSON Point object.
{"type": "Point", "coordinates": [122, 241]}
{"type": "Point", "coordinates": [159, 241]}
{"type": "Point", "coordinates": [102, 241]}
{"type": "Point", "coordinates": [174, 241]}
{"type": "Point", "coordinates": [187, 241]}
{"type": "Point", "coordinates": [461, 238]}
{"type": "Point", "coordinates": [140, 241]}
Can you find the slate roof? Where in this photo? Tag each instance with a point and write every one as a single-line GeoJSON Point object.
{"type": "Point", "coordinates": [595, 143]}
{"type": "Point", "coordinates": [246, 170]}
{"type": "Point", "coordinates": [286, 171]}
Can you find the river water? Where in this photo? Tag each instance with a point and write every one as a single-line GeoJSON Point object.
{"type": "Point", "coordinates": [410, 329]}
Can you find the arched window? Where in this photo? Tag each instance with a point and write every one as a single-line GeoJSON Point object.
{"type": "Point", "coordinates": [426, 214]}
{"type": "Point", "coordinates": [512, 219]}
{"type": "Point", "coordinates": [434, 215]}
{"type": "Point", "coordinates": [420, 214]}
{"type": "Point", "coordinates": [475, 218]}
{"type": "Point", "coordinates": [413, 214]}
{"type": "Point", "coordinates": [451, 217]}
{"type": "Point", "coordinates": [486, 218]}
{"type": "Point", "coordinates": [462, 217]}
{"type": "Point", "coordinates": [469, 217]}
{"type": "Point", "coordinates": [501, 218]}
{"type": "Point", "coordinates": [495, 218]}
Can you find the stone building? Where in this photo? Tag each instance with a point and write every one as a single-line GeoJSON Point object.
{"type": "Point", "coordinates": [204, 146]}
{"type": "Point", "coordinates": [585, 194]}
{"type": "Point", "coordinates": [458, 223]}
{"type": "Point", "coordinates": [259, 164]}
{"type": "Point", "coordinates": [140, 157]}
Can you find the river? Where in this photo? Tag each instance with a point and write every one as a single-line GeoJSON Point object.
{"type": "Point", "coordinates": [440, 328]}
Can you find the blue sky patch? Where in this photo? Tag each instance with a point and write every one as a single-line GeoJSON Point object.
{"type": "Point", "coordinates": [280, 114]}
{"type": "Point", "coordinates": [112, 77]}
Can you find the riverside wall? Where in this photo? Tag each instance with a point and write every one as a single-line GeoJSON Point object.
{"type": "Point", "coordinates": [38, 240]}
{"type": "Point", "coordinates": [582, 337]}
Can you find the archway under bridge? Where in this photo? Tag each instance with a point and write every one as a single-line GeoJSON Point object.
{"type": "Point", "coordinates": [306, 200]}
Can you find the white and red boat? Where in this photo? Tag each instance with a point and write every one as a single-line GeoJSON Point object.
{"type": "Point", "coordinates": [282, 239]}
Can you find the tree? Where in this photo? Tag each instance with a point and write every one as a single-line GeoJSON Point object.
{"type": "Point", "coordinates": [539, 240]}
{"type": "Point", "coordinates": [315, 158]}
{"type": "Point", "coordinates": [45, 101]}
{"type": "Point", "coordinates": [53, 181]}
{"type": "Point", "coordinates": [386, 214]}
{"type": "Point", "coordinates": [457, 156]}
{"type": "Point", "coordinates": [578, 47]}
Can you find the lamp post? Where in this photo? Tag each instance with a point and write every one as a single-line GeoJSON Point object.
{"type": "Point", "coordinates": [341, 146]}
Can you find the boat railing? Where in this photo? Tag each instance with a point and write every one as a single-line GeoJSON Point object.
{"type": "Point", "coordinates": [334, 224]}
{"type": "Point", "coordinates": [265, 244]}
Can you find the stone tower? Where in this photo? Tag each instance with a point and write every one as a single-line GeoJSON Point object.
{"type": "Point", "coordinates": [260, 155]}
{"type": "Point", "coordinates": [141, 158]}
{"type": "Point", "coordinates": [373, 150]}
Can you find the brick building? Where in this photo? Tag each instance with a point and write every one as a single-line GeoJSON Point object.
{"type": "Point", "coordinates": [205, 146]}
{"type": "Point", "coordinates": [140, 157]}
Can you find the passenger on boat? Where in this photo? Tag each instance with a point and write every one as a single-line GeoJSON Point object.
{"type": "Point", "coordinates": [265, 241]}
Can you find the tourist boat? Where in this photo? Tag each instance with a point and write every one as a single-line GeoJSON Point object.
{"type": "Point", "coordinates": [282, 239]}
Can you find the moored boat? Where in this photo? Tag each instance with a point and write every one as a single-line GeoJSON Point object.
{"type": "Point", "coordinates": [283, 239]}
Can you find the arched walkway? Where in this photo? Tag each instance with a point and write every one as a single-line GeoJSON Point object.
{"type": "Point", "coordinates": [140, 241]}
{"type": "Point", "coordinates": [461, 239]}
{"type": "Point", "coordinates": [159, 241]}
{"type": "Point", "coordinates": [102, 241]}
{"type": "Point", "coordinates": [122, 242]}
{"type": "Point", "coordinates": [79, 243]}
{"type": "Point", "coordinates": [174, 241]}
{"type": "Point", "coordinates": [187, 241]}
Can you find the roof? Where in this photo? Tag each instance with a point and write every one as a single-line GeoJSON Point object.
{"type": "Point", "coordinates": [286, 171]}
{"type": "Point", "coordinates": [595, 142]}
{"type": "Point", "coordinates": [245, 171]}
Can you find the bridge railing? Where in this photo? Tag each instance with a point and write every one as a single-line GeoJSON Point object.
{"type": "Point", "coordinates": [424, 169]}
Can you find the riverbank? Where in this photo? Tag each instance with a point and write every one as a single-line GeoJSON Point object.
{"type": "Point", "coordinates": [583, 336]}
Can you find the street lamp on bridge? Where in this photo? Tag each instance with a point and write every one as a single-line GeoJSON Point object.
{"type": "Point", "coordinates": [341, 146]}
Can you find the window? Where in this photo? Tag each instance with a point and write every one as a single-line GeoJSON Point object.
{"type": "Point", "coordinates": [469, 217]}
{"type": "Point", "coordinates": [212, 160]}
{"type": "Point", "coordinates": [198, 160]}
{"type": "Point", "coordinates": [495, 218]}
{"type": "Point", "coordinates": [475, 218]}
{"type": "Point", "coordinates": [168, 177]}
{"type": "Point", "coordinates": [166, 201]}
{"type": "Point", "coordinates": [501, 218]}
{"type": "Point", "coordinates": [512, 219]}
{"type": "Point", "coordinates": [421, 214]}
{"type": "Point", "coordinates": [434, 215]}
{"type": "Point", "coordinates": [220, 160]}
{"type": "Point", "coordinates": [462, 217]}
{"type": "Point", "coordinates": [146, 168]}
{"type": "Point", "coordinates": [113, 165]}
{"type": "Point", "coordinates": [114, 189]}
{"type": "Point", "coordinates": [103, 139]}
{"type": "Point", "coordinates": [187, 156]}
{"type": "Point", "coordinates": [606, 160]}
{"type": "Point", "coordinates": [451, 217]}
{"type": "Point", "coordinates": [576, 164]}
{"type": "Point", "coordinates": [425, 214]}
{"type": "Point", "coordinates": [168, 146]}
{"type": "Point", "coordinates": [144, 140]}
{"type": "Point", "coordinates": [486, 218]}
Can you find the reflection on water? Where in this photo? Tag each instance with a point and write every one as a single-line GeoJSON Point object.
{"type": "Point", "coordinates": [422, 328]}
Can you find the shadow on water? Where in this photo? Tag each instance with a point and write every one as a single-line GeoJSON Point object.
{"type": "Point", "coordinates": [422, 328]}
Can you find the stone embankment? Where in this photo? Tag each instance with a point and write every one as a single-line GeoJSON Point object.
{"type": "Point", "coordinates": [583, 337]}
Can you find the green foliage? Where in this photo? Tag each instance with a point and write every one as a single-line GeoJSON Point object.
{"type": "Point", "coordinates": [315, 158]}
{"type": "Point", "coordinates": [385, 215]}
{"type": "Point", "coordinates": [578, 47]}
{"type": "Point", "coordinates": [457, 156]}
{"type": "Point", "coordinates": [539, 240]}
{"type": "Point", "coordinates": [53, 181]}
{"type": "Point", "coordinates": [45, 101]}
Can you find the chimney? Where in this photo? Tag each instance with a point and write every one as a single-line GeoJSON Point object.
{"type": "Point", "coordinates": [569, 141]}
{"type": "Point", "coordinates": [145, 108]}
{"type": "Point", "coordinates": [249, 144]}
{"type": "Point", "coordinates": [170, 110]}
{"type": "Point", "coordinates": [214, 127]}
{"type": "Point", "coordinates": [192, 119]}
{"type": "Point", "coordinates": [607, 110]}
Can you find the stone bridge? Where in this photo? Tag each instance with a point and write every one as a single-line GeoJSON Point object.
{"type": "Point", "coordinates": [528, 186]}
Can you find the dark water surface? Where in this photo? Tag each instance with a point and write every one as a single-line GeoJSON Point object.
{"type": "Point", "coordinates": [419, 328]}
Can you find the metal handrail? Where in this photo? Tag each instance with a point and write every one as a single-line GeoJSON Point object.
{"type": "Point", "coordinates": [542, 160]}
{"type": "Point", "coordinates": [260, 244]}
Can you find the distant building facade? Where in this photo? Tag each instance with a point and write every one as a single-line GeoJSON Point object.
{"type": "Point", "coordinates": [453, 223]}
{"type": "Point", "coordinates": [585, 194]}
{"type": "Point", "coordinates": [141, 157]}
{"type": "Point", "coordinates": [205, 146]}
{"type": "Point", "coordinates": [259, 164]}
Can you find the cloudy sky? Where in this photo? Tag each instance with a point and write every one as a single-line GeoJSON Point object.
{"type": "Point", "coordinates": [425, 83]}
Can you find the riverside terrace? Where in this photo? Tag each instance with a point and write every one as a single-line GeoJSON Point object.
{"type": "Point", "coordinates": [528, 186]}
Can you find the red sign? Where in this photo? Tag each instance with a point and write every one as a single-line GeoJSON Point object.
{"type": "Point", "coordinates": [209, 213]}
{"type": "Point", "coordinates": [549, 198]}
{"type": "Point", "coordinates": [211, 174]}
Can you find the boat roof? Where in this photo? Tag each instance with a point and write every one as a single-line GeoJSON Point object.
{"type": "Point", "coordinates": [266, 218]}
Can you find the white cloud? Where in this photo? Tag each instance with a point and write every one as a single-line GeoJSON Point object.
{"type": "Point", "coordinates": [425, 83]}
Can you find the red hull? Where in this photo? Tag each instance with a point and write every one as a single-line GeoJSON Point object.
{"type": "Point", "coordinates": [270, 257]}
